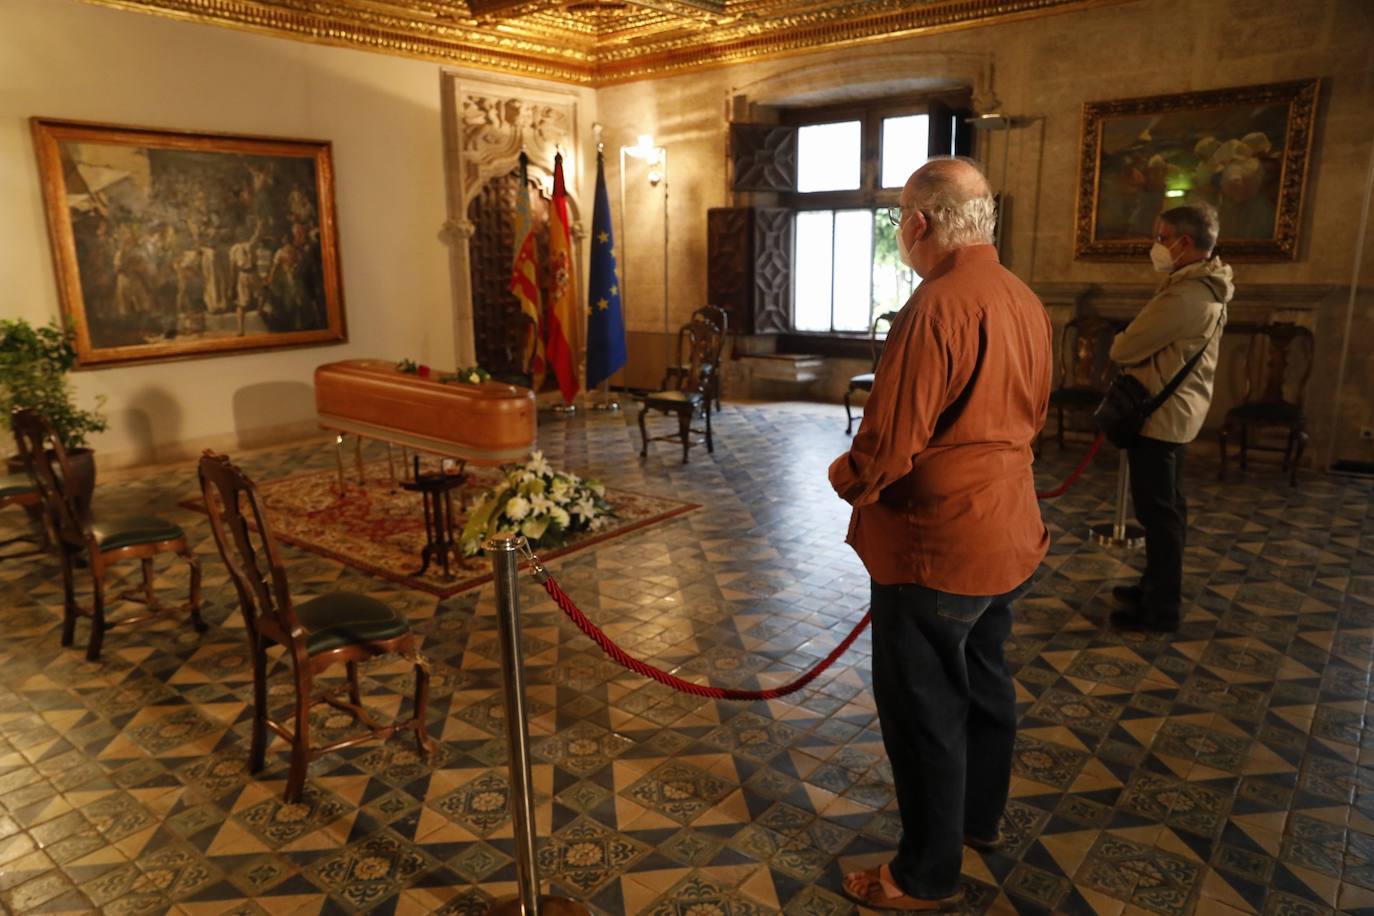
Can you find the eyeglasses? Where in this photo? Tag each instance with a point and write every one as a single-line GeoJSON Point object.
{"type": "Point", "coordinates": [895, 214]}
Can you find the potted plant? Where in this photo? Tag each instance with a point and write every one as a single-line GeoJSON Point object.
{"type": "Point", "coordinates": [34, 363]}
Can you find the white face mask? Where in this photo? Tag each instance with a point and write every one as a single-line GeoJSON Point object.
{"type": "Point", "coordinates": [1161, 258]}
{"type": "Point", "coordinates": [904, 253]}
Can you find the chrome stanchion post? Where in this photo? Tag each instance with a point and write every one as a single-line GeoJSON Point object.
{"type": "Point", "coordinates": [1118, 533]}
{"type": "Point", "coordinates": [505, 550]}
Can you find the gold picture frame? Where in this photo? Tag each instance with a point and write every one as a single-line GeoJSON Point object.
{"type": "Point", "coordinates": [175, 245]}
{"type": "Point", "coordinates": [1243, 149]}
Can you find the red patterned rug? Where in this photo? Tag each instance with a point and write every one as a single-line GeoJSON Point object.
{"type": "Point", "coordinates": [379, 528]}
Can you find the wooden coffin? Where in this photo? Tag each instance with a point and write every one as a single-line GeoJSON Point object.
{"type": "Point", "coordinates": [490, 423]}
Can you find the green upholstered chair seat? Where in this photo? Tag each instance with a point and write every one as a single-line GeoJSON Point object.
{"type": "Point", "coordinates": [346, 619]}
{"type": "Point", "coordinates": [1076, 398]}
{"type": "Point", "coordinates": [1278, 413]}
{"type": "Point", "coordinates": [12, 485]}
{"type": "Point", "coordinates": [674, 397]}
{"type": "Point", "coordinates": [132, 530]}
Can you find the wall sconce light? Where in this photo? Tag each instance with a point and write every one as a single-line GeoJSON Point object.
{"type": "Point", "coordinates": [656, 157]}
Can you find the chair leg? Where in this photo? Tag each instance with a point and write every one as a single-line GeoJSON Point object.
{"type": "Point", "coordinates": [1222, 435]}
{"type": "Point", "coordinates": [422, 739]}
{"type": "Point", "coordinates": [710, 444]}
{"type": "Point", "coordinates": [300, 744]}
{"type": "Point", "coordinates": [1244, 445]}
{"type": "Point", "coordinates": [848, 416]}
{"type": "Point", "coordinates": [1299, 446]}
{"type": "Point", "coordinates": [69, 611]}
{"type": "Point", "coordinates": [643, 432]}
{"type": "Point", "coordinates": [257, 751]}
{"type": "Point", "coordinates": [193, 598]}
{"type": "Point", "coordinates": [354, 696]}
{"type": "Point", "coordinates": [1060, 437]}
{"type": "Point", "coordinates": [684, 425]}
{"type": "Point", "coordinates": [97, 609]}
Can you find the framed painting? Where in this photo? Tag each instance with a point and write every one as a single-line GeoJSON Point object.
{"type": "Point", "coordinates": [173, 245]}
{"type": "Point", "coordinates": [1244, 150]}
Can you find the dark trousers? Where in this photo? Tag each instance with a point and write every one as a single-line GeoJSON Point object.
{"type": "Point", "coordinates": [948, 712]}
{"type": "Point", "coordinates": [1157, 492]}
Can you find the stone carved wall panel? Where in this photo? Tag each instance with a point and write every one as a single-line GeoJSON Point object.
{"type": "Point", "coordinates": [494, 129]}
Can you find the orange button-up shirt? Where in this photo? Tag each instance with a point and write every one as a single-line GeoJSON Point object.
{"type": "Point", "coordinates": [939, 472]}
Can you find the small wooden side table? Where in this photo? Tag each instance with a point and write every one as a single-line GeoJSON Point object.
{"type": "Point", "coordinates": [436, 493]}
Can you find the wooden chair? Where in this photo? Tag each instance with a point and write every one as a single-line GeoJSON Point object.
{"type": "Point", "coordinates": [1278, 364]}
{"type": "Point", "coordinates": [100, 542]}
{"type": "Point", "coordinates": [720, 319]}
{"type": "Point", "coordinates": [686, 385]}
{"type": "Point", "coordinates": [316, 634]}
{"type": "Point", "coordinates": [864, 380]}
{"type": "Point", "coordinates": [1085, 369]}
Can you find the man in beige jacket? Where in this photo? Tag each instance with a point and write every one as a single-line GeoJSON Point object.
{"type": "Point", "coordinates": [1186, 315]}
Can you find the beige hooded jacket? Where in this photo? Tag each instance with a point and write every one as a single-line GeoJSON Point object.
{"type": "Point", "coordinates": [1183, 315]}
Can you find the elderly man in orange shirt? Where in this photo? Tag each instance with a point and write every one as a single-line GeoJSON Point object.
{"type": "Point", "coordinates": [947, 524]}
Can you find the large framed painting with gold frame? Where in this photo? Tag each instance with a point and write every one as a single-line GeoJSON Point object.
{"type": "Point", "coordinates": [1244, 150]}
{"type": "Point", "coordinates": [170, 245]}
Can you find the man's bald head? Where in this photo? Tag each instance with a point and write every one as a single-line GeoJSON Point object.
{"type": "Point", "coordinates": [957, 199]}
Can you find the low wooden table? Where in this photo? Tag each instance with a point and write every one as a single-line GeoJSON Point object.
{"type": "Point", "coordinates": [436, 492]}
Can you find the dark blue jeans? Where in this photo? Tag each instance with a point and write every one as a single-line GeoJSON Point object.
{"type": "Point", "coordinates": [948, 712]}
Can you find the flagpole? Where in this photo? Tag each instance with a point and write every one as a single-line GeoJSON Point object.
{"type": "Point", "coordinates": [607, 401]}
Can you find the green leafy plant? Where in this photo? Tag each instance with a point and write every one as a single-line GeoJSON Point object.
{"type": "Point", "coordinates": [34, 363]}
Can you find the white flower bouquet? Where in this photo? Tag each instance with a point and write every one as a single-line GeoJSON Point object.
{"type": "Point", "coordinates": [544, 505]}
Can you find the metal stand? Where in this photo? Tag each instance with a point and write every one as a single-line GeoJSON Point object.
{"type": "Point", "coordinates": [504, 550]}
{"type": "Point", "coordinates": [1117, 533]}
{"type": "Point", "coordinates": [607, 401]}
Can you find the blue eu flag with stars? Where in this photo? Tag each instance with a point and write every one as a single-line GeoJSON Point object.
{"type": "Point", "coordinates": [605, 319]}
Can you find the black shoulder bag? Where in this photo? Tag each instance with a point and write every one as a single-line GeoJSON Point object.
{"type": "Point", "coordinates": [1128, 404]}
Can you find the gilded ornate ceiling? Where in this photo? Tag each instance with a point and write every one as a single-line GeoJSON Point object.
{"type": "Point", "coordinates": [596, 41]}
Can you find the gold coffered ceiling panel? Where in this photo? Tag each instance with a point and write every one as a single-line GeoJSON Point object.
{"type": "Point", "coordinates": [596, 41]}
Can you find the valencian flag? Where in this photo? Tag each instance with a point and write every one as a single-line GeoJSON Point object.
{"type": "Point", "coordinates": [560, 324]}
{"type": "Point", "coordinates": [605, 320]}
{"type": "Point", "coordinates": [524, 279]}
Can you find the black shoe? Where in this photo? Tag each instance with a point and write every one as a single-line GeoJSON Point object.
{"type": "Point", "coordinates": [1146, 618]}
{"type": "Point", "coordinates": [1129, 595]}
{"type": "Point", "coordinates": [992, 845]}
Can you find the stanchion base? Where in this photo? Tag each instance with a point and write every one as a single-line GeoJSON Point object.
{"type": "Point", "coordinates": [548, 906]}
{"type": "Point", "coordinates": [1104, 535]}
{"type": "Point", "coordinates": [608, 406]}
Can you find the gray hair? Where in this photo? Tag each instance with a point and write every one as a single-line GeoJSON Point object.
{"type": "Point", "coordinates": [1198, 221]}
{"type": "Point", "coordinates": [958, 200]}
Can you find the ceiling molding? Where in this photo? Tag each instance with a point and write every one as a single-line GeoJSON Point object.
{"type": "Point", "coordinates": [597, 42]}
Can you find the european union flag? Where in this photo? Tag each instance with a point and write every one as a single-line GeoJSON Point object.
{"type": "Point", "coordinates": [605, 319]}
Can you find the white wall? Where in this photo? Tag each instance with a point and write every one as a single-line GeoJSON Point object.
{"type": "Point", "coordinates": [64, 59]}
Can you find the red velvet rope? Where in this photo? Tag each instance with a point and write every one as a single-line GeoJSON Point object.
{"type": "Point", "coordinates": [1077, 472]}
{"type": "Point", "coordinates": [623, 658]}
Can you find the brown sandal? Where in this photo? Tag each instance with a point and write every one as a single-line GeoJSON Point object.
{"type": "Point", "coordinates": [876, 890]}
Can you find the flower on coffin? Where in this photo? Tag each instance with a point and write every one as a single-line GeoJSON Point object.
{"type": "Point", "coordinates": [547, 506]}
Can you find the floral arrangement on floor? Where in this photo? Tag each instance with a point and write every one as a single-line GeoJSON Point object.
{"type": "Point", "coordinates": [472, 375]}
{"type": "Point", "coordinates": [544, 505]}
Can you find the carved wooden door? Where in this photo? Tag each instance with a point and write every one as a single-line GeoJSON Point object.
{"type": "Point", "coordinates": [499, 326]}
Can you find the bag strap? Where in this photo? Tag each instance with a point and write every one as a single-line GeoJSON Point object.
{"type": "Point", "coordinates": [1181, 374]}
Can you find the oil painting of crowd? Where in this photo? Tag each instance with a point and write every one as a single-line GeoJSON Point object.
{"type": "Point", "coordinates": [179, 246]}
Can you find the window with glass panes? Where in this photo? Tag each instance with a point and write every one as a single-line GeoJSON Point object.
{"type": "Point", "coordinates": [852, 162]}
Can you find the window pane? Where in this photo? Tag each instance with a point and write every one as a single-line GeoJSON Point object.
{"type": "Point", "coordinates": [905, 141]}
{"type": "Point", "coordinates": [828, 157]}
{"type": "Point", "coordinates": [853, 259]}
{"type": "Point", "coordinates": [811, 299]}
{"type": "Point", "coordinates": [892, 281]}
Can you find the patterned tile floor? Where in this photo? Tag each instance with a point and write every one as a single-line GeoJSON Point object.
{"type": "Point", "coordinates": [1226, 769]}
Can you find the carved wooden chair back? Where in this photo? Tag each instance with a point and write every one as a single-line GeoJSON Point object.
{"type": "Point", "coordinates": [46, 460]}
{"type": "Point", "coordinates": [714, 315]}
{"type": "Point", "coordinates": [252, 557]}
{"type": "Point", "coordinates": [1084, 348]}
{"type": "Point", "coordinates": [1278, 364]}
{"type": "Point", "coordinates": [699, 345]}
{"type": "Point", "coordinates": [881, 325]}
